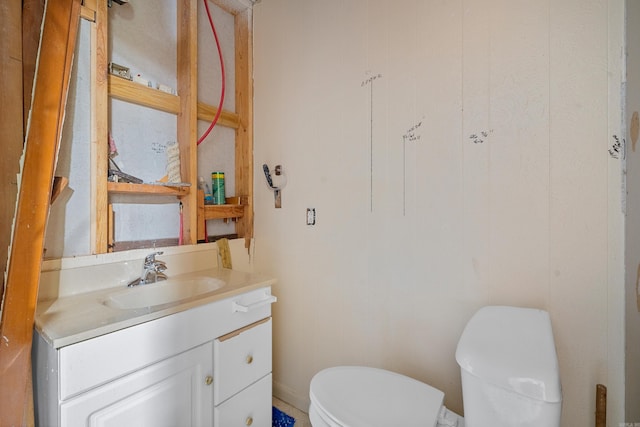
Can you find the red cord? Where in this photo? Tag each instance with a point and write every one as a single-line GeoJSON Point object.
{"type": "Point", "coordinates": [215, 35]}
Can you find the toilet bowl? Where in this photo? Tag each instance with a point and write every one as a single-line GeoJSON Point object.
{"type": "Point", "coordinates": [358, 396]}
{"type": "Point", "coordinates": [509, 372]}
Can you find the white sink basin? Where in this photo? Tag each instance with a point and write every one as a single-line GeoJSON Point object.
{"type": "Point", "coordinates": [164, 292]}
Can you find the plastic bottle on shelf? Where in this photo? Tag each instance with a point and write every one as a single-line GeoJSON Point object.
{"type": "Point", "coordinates": [202, 185]}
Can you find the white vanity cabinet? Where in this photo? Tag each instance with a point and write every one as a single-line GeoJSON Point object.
{"type": "Point", "coordinates": [209, 365]}
{"type": "Point", "coordinates": [173, 392]}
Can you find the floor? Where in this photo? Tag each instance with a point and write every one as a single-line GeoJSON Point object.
{"type": "Point", "coordinates": [302, 419]}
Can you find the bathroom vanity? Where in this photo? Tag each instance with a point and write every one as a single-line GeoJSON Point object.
{"type": "Point", "coordinates": [106, 358]}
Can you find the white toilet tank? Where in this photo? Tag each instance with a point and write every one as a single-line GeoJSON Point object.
{"type": "Point", "coordinates": [509, 369]}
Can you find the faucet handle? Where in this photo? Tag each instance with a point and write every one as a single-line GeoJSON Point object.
{"type": "Point", "coordinates": [151, 258]}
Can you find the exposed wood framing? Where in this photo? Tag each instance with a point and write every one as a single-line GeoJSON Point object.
{"type": "Point", "coordinates": [188, 111]}
{"type": "Point", "coordinates": [244, 109]}
{"type": "Point", "coordinates": [129, 91]}
{"type": "Point", "coordinates": [88, 10]}
{"type": "Point", "coordinates": [43, 139]}
{"type": "Point", "coordinates": [208, 112]}
{"type": "Point", "coordinates": [100, 230]}
{"type": "Point", "coordinates": [32, 12]}
{"type": "Point", "coordinates": [11, 119]}
{"type": "Point", "coordinates": [187, 59]}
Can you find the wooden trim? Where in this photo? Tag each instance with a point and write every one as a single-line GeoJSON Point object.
{"type": "Point", "coordinates": [243, 329]}
{"type": "Point", "coordinates": [99, 132]}
{"type": "Point", "coordinates": [43, 140]}
{"type": "Point", "coordinates": [244, 108]}
{"type": "Point", "coordinates": [187, 72]}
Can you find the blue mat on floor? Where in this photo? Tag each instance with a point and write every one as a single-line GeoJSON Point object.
{"type": "Point", "coordinates": [280, 419]}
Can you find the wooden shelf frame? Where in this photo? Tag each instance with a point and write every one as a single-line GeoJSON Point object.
{"type": "Point", "coordinates": [135, 93]}
{"type": "Point", "coordinates": [160, 190]}
{"type": "Point", "coordinates": [188, 110]}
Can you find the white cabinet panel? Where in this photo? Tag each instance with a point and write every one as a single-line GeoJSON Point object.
{"type": "Point", "coordinates": [250, 407]}
{"type": "Point", "coordinates": [241, 358]}
{"type": "Point", "coordinates": [173, 392]}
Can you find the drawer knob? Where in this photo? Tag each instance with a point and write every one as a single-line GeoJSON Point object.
{"type": "Point", "coordinates": [249, 359]}
{"type": "Point", "coordinates": [249, 421]}
{"type": "Point", "coordinates": [208, 380]}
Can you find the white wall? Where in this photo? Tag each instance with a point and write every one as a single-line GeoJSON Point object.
{"type": "Point", "coordinates": [632, 252]}
{"type": "Point", "coordinates": [417, 229]}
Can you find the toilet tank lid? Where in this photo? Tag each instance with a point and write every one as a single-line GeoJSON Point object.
{"type": "Point", "coordinates": [512, 348]}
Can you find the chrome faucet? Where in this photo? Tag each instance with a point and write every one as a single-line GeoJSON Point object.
{"type": "Point", "coordinates": [152, 271]}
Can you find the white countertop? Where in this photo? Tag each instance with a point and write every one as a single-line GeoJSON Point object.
{"type": "Point", "coordinates": [70, 319]}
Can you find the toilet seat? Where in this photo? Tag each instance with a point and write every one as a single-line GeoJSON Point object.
{"type": "Point", "coordinates": [357, 396]}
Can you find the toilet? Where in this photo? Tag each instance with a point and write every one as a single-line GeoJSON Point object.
{"type": "Point", "coordinates": [509, 371]}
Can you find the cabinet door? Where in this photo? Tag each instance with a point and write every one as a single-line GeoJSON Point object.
{"type": "Point", "coordinates": [174, 392]}
{"type": "Point", "coordinates": [250, 407]}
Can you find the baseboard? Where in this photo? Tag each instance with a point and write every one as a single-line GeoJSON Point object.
{"type": "Point", "coordinates": [290, 396]}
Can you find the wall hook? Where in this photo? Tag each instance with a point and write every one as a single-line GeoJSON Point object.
{"type": "Point", "coordinates": [276, 189]}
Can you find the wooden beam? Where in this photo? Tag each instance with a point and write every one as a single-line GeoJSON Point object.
{"type": "Point", "coordinates": [12, 64]}
{"type": "Point", "coordinates": [88, 10]}
{"type": "Point", "coordinates": [59, 184]}
{"type": "Point", "coordinates": [32, 13]}
{"type": "Point", "coordinates": [11, 130]}
{"type": "Point", "coordinates": [187, 72]}
{"type": "Point", "coordinates": [208, 112]}
{"type": "Point", "coordinates": [43, 140]}
{"type": "Point", "coordinates": [244, 109]}
{"type": "Point", "coordinates": [100, 231]}
{"type": "Point", "coordinates": [136, 93]}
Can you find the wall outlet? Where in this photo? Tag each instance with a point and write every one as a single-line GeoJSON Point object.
{"type": "Point", "coordinates": [311, 216]}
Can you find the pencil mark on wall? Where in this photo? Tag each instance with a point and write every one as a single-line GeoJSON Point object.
{"type": "Point", "coordinates": [370, 82]}
{"type": "Point", "coordinates": [617, 148]}
{"type": "Point", "coordinates": [638, 288]}
{"type": "Point", "coordinates": [158, 147]}
{"type": "Point", "coordinates": [371, 79]}
{"type": "Point", "coordinates": [479, 138]}
{"type": "Point", "coordinates": [412, 135]}
{"type": "Point", "coordinates": [635, 130]}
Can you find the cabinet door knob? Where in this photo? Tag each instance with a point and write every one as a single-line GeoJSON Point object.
{"type": "Point", "coordinates": [249, 359]}
{"type": "Point", "coordinates": [208, 380]}
{"type": "Point", "coordinates": [249, 421]}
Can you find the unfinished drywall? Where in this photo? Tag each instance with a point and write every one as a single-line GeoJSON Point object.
{"type": "Point", "coordinates": [457, 154]}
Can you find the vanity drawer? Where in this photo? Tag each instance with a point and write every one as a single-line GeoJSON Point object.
{"type": "Point", "coordinates": [240, 358]}
{"type": "Point", "coordinates": [251, 406]}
